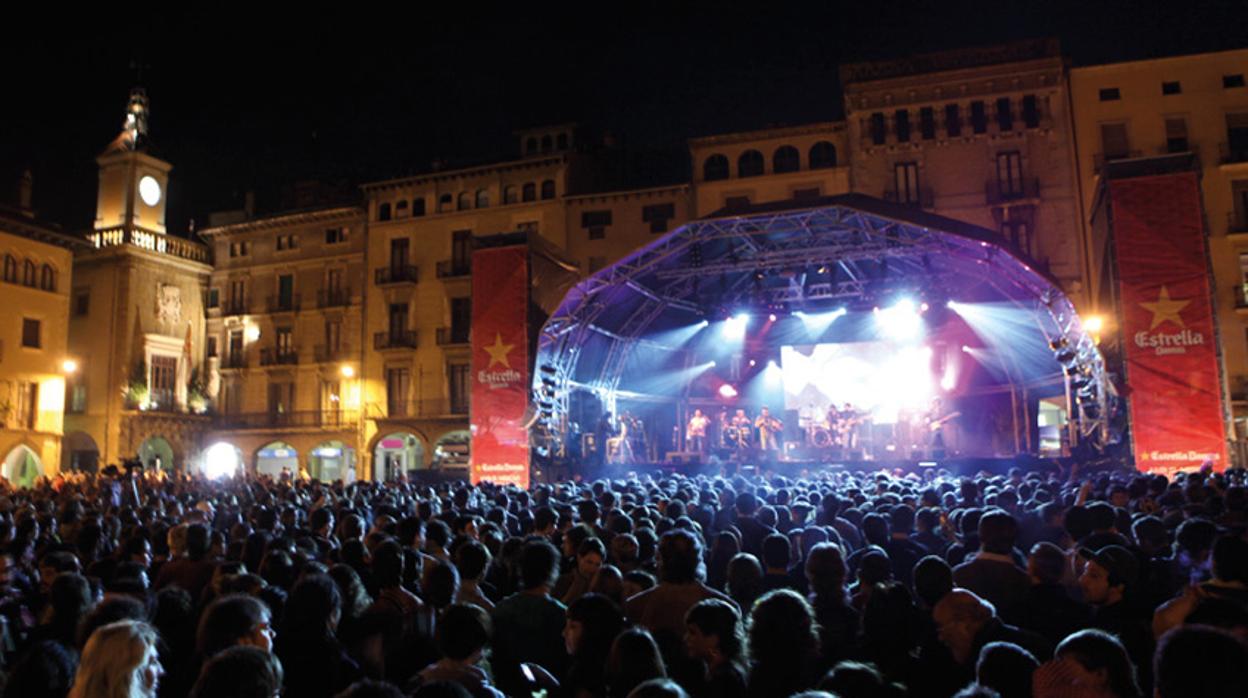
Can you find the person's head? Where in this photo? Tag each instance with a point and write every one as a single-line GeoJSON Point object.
{"type": "Point", "coordinates": [1101, 661]}
{"type": "Point", "coordinates": [46, 670]}
{"type": "Point", "coordinates": [777, 552]}
{"type": "Point", "coordinates": [658, 688]}
{"type": "Point", "coordinates": [782, 628]}
{"type": "Point", "coordinates": [231, 620]}
{"type": "Point", "coordinates": [1046, 563]}
{"type": "Point", "coordinates": [1197, 661]}
{"type": "Point", "coordinates": [441, 584]}
{"type": "Point", "coordinates": [111, 610]}
{"type": "Point", "coordinates": [744, 577]}
{"type": "Point", "coordinates": [312, 610]}
{"type": "Point", "coordinates": [539, 563]}
{"type": "Point", "coordinates": [997, 532]}
{"type": "Point", "coordinates": [472, 558]}
{"type": "Point", "coordinates": [959, 617]}
{"type": "Point", "coordinates": [1006, 668]}
{"type": "Point", "coordinates": [240, 672]}
{"type": "Point", "coordinates": [634, 658]}
{"type": "Point", "coordinates": [198, 541]}
{"type": "Point", "coordinates": [1108, 575]}
{"type": "Point", "coordinates": [463, 632]}
{"type": "Point", "coordinates": [901, 520]}
{"type": "Point", "coordinates": [592, 623]}
{"type": "Point", "coordinates": [680, 556]}
{"type": "Point", "coordinates": [589, 556]}
{"type": "Point", "coordinates": [850, 679]}
{"type": "Point", "coordinates": [933, 578]}
{"type": "Point", "coordinates": [713, 631]}
{"type": "Point", "coordinates": [120, 660]}
{"type": "Point", "coordinates": [387, 566]}
{"type": "Point", "coordinates": [825, 570]}
{"type": "Point", "coordinates": [70, 598]}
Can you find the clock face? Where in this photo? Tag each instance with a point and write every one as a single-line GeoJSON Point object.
{"type": "Point", "coordinates": [149, 190]}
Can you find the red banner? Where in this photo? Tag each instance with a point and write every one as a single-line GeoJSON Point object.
{"type": "Point", "coordinates": [500, 365]}
{"type": "Point", "coordinates": [1175, 385]}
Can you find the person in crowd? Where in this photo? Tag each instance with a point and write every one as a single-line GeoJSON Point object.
{"type": "Point", "coordinates": [715, 636]}
{"type": "Point", "coordinates": [528, 625]}
{"type": "Point", "coordinates": [784, 645]}
{"type": "Point", "coordinates": [45, 671]}
{"type": "Point", "coordinates": [240, 671]}
{"type": "Point", "coordinates": [634, 659]}
{"type": "Point", "coordinates": [234, 619]}
{"type": "Point", "coordinates": [463, 636]}
{"type": "Point", "coordinates": [658, 688]}
{"type": "Point", "coordinates": [744, 580]}
{"type": "Point", "coordinates": [1222, 659]}
{"type": "Point", "coordinates": [315, 662]}
{"type": "Point", "coordinates": [1047, 608]}
{"type": "Point", "coordinates": [992, 572]}
{"type": "Point", "coordinates": [965, 623]}
{"type": "Point", "coordinates": [472, 559]}
{"type": "Point", "coordinates": [848, 679]}
{"type": "Point", "coordinates": [1089, 663]}
{"type": "Point", "coordinates": [593, 622]}
{"type": "Point", "coordinates": [1108, 578]}
{"type": "Point", "coordinates": [1006, 668]}
{"type": "Point", "coordinates": [574, 583]}
{"type": "Point", "coordinates": [838, 620]}
{"type": "Point", "coordinates": [120, 660]}
{"type": "Point", "coordinates": [903, 552]}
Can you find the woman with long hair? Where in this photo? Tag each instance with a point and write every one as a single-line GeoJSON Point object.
{"type": "Point", "coordinates": [838, 620]}
{"type": "Point", "coordinates": [784, 645]}
{"type": "Point", "coordinates": [634, 659]}
{"type": "Point", "coordinates": [315, 662]}
{"type": "Point", "coordinates": [120, 660]}
{"type": "Point", "coordinates": [714, 635]}
{"type": "Point", "coordinates": [593, 621]}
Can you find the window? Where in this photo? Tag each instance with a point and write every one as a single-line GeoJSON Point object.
{"type": "Point", "coordinates": [1176, 135]}
{"type": "Point", "coordinates": [511, 194]}
{"type": "Point", "coordinates": [527, 226]}
{"type": "Point", "coordinates": [1005, 114]}
{"type": "Point", "coordinates": [596, 264]}
{"type": "Point", "coordinates": [1110, 94]}
{"type": "Point", "coordinates": [1237, 137]}
{"type": "Point", "coordinates": [214, 297]}
{"type": "Point", "coordinates": [28, 273]}
{"type": "Point", "coordinates": [1172, 87]}
{"type": "Point", "coordinates": [287, 242]}
{"type": "Point", "coordinates": [47, 278]}
{"type": "Point", "coordinates": [446, 203]}
{"type": "Point", "coordinates": [1230, 81]}
{"type": "Point", "coordinates": [461, 251]}
{"type": "Point", "coordinates": [31, 333]}
{"type": "Point", "coordinates": [400, 209]}
{"type": "Point", "coordinates": [82, 303]}
{"type": "Point", "coordinates": [715, 168]}
{"type": "Point", "coordinates": [561, 141]}
{"type": "Point", "coordinates": [10, 269]}
{"type": "Point", "coordinates": [1010, 174]}
{"type": "Point", "coordinates": [418, 207]}
{"type": "Point", "coordinates": [548, 189]}
{"type": "Point", "coordinates": [878, 130]}
{"type": "Point", "coordinates": [1031, 111]}
{"type": "Point", "coordinates": [901, 124]}
{"type": "Point", "coordinates": [163, 383]}
{"type": "Point", "coordinates": [657, 215]}
{"type": "Point", "coordinates": [281, 400]}
{"type": "Point", "coordinates": [334, 236]}
{"type": "Point", "coordinates": [528, 192]}
{"type": "Point", "coordinates": [906, 182]}
{"type": "Point", "coordinates": [786, 159]}
{"type": "Point", "coordinates": [76, 399]}
{"type": "Point", "coordinates": [1017, 232]}
{"type": "Point", "coordinates": [461, 319]}
{"type": "Point", "coordinates": [27, 408]}
{"type": "Point", "coordinates": [822, 155]}
{"type": "Point", "coordinates": [240, 249]}
{"type": "Point", "coordinates": [953, 120]}
{"type": "Point", "coordinates": [979, 117]}
{"type": "Point", "coordinates": [483, 198]}
{"type": "Point", "coordinates": [1239, 192]}
{"type": "Point", "coordinates": [285, 341]}
{"type": "Point", "coordinates": [333, 338]}
{"type": "Point", "coordinates": [927, 123]}
{"type": "Point", "coordinates": [397, 319]}
{"type": "Point", "coordinates": [397, 382]}
{"type": "Point", "coordinates": [211, 348]}
{"type": "Point", "coordinates": [596, 223]}
{"type": "Point", "coordinates": [464, 202]}
{"type": "Point", "coordinates": [750, 164]}
{"type": "Point", "coordinates": [383, 212]}
{"type": "Point", "coordinates": [458, 375]}
{"type": "Point", "coordinates": [1114, 143]}
{"type": "Point", "coordinates": [236, 346]}
{"type": "Point", "coordinates": [286, 291]}
{"type": "Point", "coordinates": [399, 248]}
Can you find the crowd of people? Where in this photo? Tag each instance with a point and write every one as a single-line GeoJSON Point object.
{"type": "Point", "coordinates": [850, 584]}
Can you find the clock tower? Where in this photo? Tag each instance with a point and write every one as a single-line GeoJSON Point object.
{"type": "Point", "coordinates": [133, 183]}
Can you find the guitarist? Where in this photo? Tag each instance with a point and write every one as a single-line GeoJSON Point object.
{"type": "Point", "coordinates": [937, 417]}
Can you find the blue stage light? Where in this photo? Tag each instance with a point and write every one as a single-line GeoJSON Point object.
{"type": "Point", "coordinates": [901, 321]}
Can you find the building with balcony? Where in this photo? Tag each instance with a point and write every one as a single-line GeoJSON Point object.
{"type": "Point", "coordinates": [1194, 104]}
{"type": "Point", "coordinates": [285, 338]}
{"type": "Point", "coordinates": [38, 376]}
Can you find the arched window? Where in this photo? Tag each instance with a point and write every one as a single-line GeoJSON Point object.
{"type": "Point", "coordinates": [529, 192]}
{"type": "Point", "coordinates": [483, 198]}
{"type": "Point", "coordinates": [750, 164]}
{"type": "Point", "coordinates": [10, 269]}
{"type": "Point", "coordinates": [822, 154]}
{"type": "Point", "coordinates": [547, 144]}
{"type": "Point", "coordinates": [418, 207]}
{"type": "Point", "coordinates": [47, 278]}
{"type": "Point", "coordinates": [786, 159]}
{"type": "Point", "coordinates": [548, 189]}
{"type": "Point", "coordinates": [511, 194]}
{"type": "Point", "coordinates": [465, 201]}
{"type": "Point", "coordinates": [400, 209]}
{"type": "Point", "coordinates": [530, 145]}
{"type": "Point", "coordinates": [562, 141]}
{"type": "Point", "coordinates": [715, 168]}
{"type": "Point", "coordinates": [383, 212]}
{"type": "Point", "coordinates": [445, 202]}
{"type": "Point", "coordinates": [28, 273]}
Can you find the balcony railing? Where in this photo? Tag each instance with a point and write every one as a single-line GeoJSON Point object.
{"type": "Point", "coordinates": [333, 297]}
{"type": "Point", "coordinates": [395, 274]}
{"type": "Point", "coordinates": [998, 192]}
{"type": "Point", "coordinates": [284, 304]}
{"type": "Point", "coordinates": [1230, 153]}
{"type": "Point", "coordinates": [449, 336]}
{"type": "Point", "coordinates": [451, 268]}
{"type": "Point", "coordinates": [235, 306]}
{"type": "Point", "coordinates": [395, 340]}
{"type": "Point", "coordinates": [1099, 160]}
{"type": "Point", "coordinates": [234, 361]}
{"type": "Point", "coordinates": [417, 409]}
{"type": "Point", "coordinates": [288, 419]}
{"type": "Point", "coordinates": [155, 242]}
{"type": "Point", "coordinates": [920, 198]}
{"type": "Point", "coordinates": [278, 357]}
{"type": "Point", "coordinates": [327, 354]}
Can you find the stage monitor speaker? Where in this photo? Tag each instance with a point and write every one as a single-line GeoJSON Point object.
{"type": "Point", "coordinates": [684, 457]}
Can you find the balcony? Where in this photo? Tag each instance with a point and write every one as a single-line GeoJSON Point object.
{"type": "Point", "coordinates": [309, 419]}
{"type": "Point", "coordinates": [238, 360]}
{"type": "Point", "coordinates": [326, 354]}
{"type": "Point", "coordinates": [920, 198]}
{"type": "Point", "coordinates": [284, 304]}
{"type": "Point", "coordinates": [1100, 159]}
{"type": "Point", "coordinates": [1003, 193]}
{"type": "Point", "coordinates": [1232, 153]}
{"type": "Point", "coordinates": [333, 297]}
{"type": "Point", "coordinates": [395, 274]}
{"type": "Point", "coordinates": [417, 409]}
{"type": "Point", "coordinates": [454, 268]}
{"type": "Point", "coordinates": [278, 357]}
{"type": "Point", "coordinates": [235, 306]}
{"type": "Point", "coordinates": [405, 339]}
{"type": "Point", "coordinates": [154, 242]}
{"type": "Point", "coordinates": [452, 336]}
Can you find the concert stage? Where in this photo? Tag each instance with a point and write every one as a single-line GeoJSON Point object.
{"type": "Point", "coordinates": [840, 332]}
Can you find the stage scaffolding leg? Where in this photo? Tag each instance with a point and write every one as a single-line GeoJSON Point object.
{"type": "Point", "coordinates": [1014, 417]}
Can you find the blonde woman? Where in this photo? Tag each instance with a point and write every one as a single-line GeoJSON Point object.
{"type": "Point", "coordinates": [119, 661]}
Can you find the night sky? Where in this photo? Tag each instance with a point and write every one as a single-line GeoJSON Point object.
{"type": "Point", "coordinates": [244, 101]}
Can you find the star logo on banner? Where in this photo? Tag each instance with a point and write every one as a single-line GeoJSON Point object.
{"type": "Point", "coordinates": [1165, 308]}
{"type": "Point", "coordinates": [498, 352]}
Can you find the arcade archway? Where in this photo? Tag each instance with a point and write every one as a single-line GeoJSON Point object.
{"type": "Point", "coordinates": [22, 466]}
{"type": "Point", "coordinates": [274, 458]}
{"type": "Point", "coordinates": [79, 453]}
{"type": "Point", "coordinates": [331, 460]}
{"type": "Point", "coordinates": [155, 452]}
{"type": "Point", "coordinates": [453, 449]}
{"type": "Point", "coordinates": [396, 454]}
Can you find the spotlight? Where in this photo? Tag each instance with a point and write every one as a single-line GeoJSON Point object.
{"type": "Point", "coordinates": [713, 364]}
{"type": "Point", "coordinates": [901, 321]}
{"type": "Point", "coordinates": [221, 460]}
{"type": "Point", "coordinates": [1094, 324]}
{"type": "Point", "coordinates": [69, 366]}
{"type": "Point", "coordinates": [727, 391]}
{"type": "Point", "coordinates": [771, 318]}
{"type": "Point", "coordinates": [966, 349]}
{"type": "Point", "coordinates": [734, 327]}
{"type": "Point", "coordinates": [253, 333]}
{"type": "Point", "coordinates": [752, 362]}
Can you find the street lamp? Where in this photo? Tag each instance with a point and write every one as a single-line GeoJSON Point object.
{"type": "Point", "coordinates": [69, 366]}
{"type": "Point", "coordinates": [347, 371]}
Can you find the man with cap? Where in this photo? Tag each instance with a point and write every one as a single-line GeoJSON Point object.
{"type": "Point", "coordinates": [1108, 581]}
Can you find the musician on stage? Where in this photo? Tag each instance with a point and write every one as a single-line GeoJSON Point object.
{"type": "Point", "coordinates": [695, 432]}
{"type": "Point", "coordinates": [936, 418]}
{"type": "Point", "coordinates": [740, 430]}
{"type": "Point", "coordinates": [603, 431]}
{"type": "Point", "coordinates": [768, 431]}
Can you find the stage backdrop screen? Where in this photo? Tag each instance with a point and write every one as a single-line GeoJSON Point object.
{"type": "Point", "coordinates": [880, 377]}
